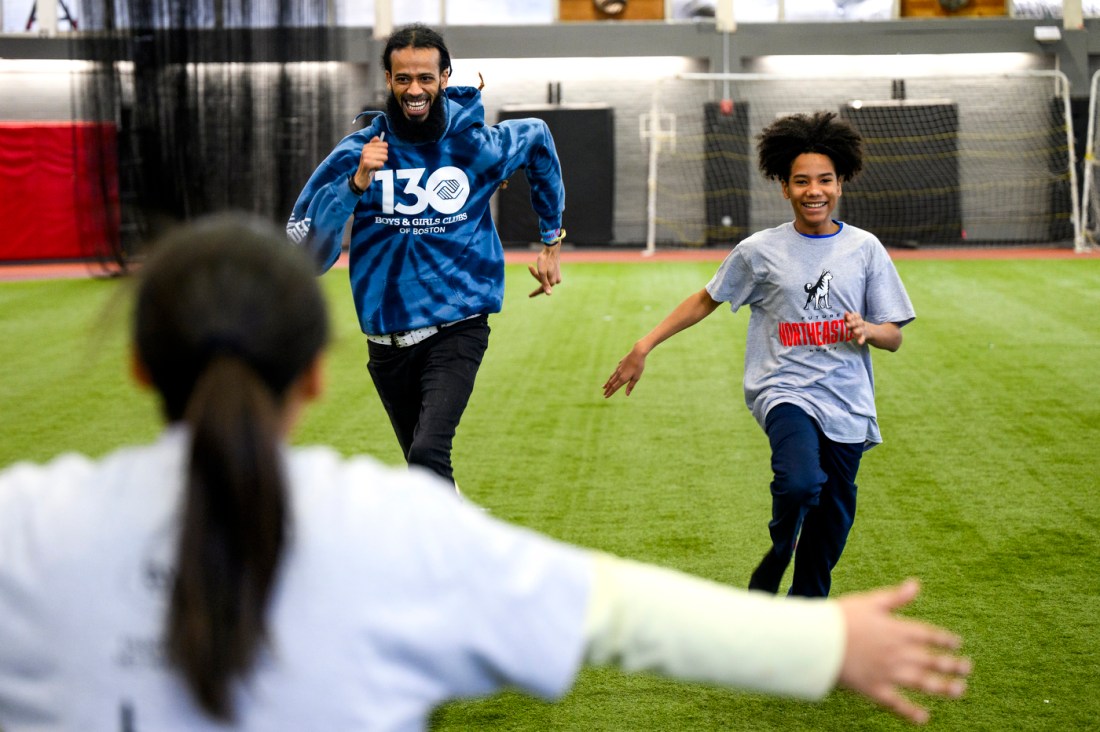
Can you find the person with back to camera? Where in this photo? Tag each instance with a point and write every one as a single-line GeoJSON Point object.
{"type": "Point", "coordinates": [821, 293]}
{"type": "Point", "coordinates": [219, 575]}
{"type": "Point", "coordinates": [427, 264]}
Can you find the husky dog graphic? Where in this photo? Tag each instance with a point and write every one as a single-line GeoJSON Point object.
{"type": "Point", "coordinates": [818, 291]}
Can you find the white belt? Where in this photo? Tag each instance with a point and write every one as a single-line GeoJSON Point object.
{"type": "Point", "coordinates": [405, 338]}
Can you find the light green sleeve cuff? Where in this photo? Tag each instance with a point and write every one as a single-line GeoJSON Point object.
{"type": "Point", "coordinates": [645, 618]}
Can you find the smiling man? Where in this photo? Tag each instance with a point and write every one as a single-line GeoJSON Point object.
{"type": "Point", "coordinates": [426, 263]}
{"type": "Point", "coordinates": [416, 78]}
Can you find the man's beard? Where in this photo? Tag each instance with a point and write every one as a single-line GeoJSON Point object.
{"type": "Point", "coordinates": [430, 130]}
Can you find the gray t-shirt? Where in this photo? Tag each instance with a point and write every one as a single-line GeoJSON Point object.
{"type": "Point", "coordinates": [798, 351]}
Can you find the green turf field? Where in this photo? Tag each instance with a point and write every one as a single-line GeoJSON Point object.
{"type": "Point", "coordinates": [987, 487]}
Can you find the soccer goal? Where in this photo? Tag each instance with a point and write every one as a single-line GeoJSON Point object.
{"type": "Point", "coordinates": [948, 160]}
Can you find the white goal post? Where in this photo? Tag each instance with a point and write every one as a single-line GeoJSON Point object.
{"type": "Point", "coordinates": [1090, 197]}
{"type": "Point", "coordinates": [959, 160]}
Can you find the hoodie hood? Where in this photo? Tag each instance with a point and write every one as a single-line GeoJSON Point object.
{"type": "Point", "coordinates": [463, 109]}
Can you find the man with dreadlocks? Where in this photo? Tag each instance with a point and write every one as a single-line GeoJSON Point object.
{"type": "Point", "coordinates": [426, 262]}
{"type": "Point", "coordinates": [821, 293]}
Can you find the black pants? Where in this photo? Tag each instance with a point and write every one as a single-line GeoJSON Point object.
{"type": "Point", "coordinates": [425, 389]}
{"type": "Point", "coordinates": [813, 502]}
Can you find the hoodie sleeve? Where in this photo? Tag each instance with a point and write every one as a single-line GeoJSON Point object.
{"type": "Point", "coordinates": [528, 144]}
{"type": "Point", "coordinates": [324, 205]}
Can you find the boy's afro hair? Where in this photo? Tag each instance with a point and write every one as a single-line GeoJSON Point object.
{"type": "Point", "coordinates": [788, 137]}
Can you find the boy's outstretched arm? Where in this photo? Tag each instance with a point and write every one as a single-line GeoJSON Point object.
{"type": "Point", "coordinates": [696, 307]}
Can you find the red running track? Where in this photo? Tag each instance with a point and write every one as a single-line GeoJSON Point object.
{"type": "Point", "coordinates": [10, 272]}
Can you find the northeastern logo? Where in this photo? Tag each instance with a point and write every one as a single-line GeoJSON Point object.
{"type": "Point", "coordinates": [818, 292]}
{"type": "Point", "coordinates": [819, 330]}
{"type": "Point", "coordinates": [818, 333]}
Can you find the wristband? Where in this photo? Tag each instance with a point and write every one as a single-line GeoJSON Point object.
{"type": "Point", "coordinates": [551, 238]}
{"type": "Point", "coordinates": [354, 188]}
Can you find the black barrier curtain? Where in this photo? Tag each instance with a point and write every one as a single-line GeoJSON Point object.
{"type": "Point", "coordinates": [213, 105]}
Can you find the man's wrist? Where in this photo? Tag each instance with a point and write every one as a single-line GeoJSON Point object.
{"type": "Point", "coordinates": [553, 238]}
{"type": "Point", "coordinates": [354, 188]}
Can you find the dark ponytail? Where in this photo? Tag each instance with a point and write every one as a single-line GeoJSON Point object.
{"type": "Point", "coordinates": [228, 317]}
{"type": "Point", "coordinates": [234, 517]}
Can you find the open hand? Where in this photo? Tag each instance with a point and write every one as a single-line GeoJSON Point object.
{"type": "Point", "coordinates": [627, 372]}
{"type": "Point", "coordinates": [886, 653]}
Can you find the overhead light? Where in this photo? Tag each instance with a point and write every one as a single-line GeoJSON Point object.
{"type": "Point", "coordinates": [1048, 33]}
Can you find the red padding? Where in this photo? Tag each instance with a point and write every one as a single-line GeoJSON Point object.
{"type": "Point", "coordinates": [58, 190]}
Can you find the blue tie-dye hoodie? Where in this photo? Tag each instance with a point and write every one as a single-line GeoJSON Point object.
{"type": "Point", "coordinates": [424, 249]}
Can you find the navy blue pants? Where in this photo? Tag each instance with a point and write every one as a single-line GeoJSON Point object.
{"type": "Point", "coordinates": [813, 502]}
{"type": "Point", "coordinates": [425, 389]}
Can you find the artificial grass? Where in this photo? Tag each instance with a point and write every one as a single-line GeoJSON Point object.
{"type": "Point", "coordinates": [986, 487]}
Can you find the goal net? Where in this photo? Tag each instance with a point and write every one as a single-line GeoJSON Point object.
{"type": "Point", "coordinates": [948, 160]}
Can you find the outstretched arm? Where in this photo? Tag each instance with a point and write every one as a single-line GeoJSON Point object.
{"type": "Point", "coordinates": [645, 618]}
{"type": "Point", "coordinates": [688, 313]}
{"type": "Point", "coordinates": [886, 336]}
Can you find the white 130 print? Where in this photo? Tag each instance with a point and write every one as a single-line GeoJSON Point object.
{"type": "Point", "coordinates": [445, 191]}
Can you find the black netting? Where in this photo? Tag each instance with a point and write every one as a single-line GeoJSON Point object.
{"type": "Point", "coordinates": [947, 166]}
{"type": "Point", "coordinates": [209, 106]}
